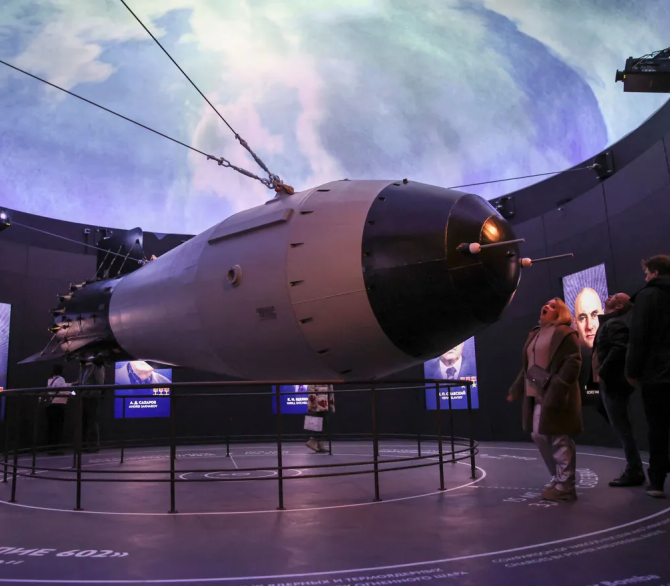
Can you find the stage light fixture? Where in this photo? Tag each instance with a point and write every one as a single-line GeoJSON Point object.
{"type": "Point", "coordinates": [649, 73]}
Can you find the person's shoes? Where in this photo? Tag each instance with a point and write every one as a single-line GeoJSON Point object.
{"type": "Point", "coordinates": [555, 494]}
{"type": "Point", "coordinates": [312, 445]}
{"type": "Point", "coordinates": [655, 490]}
{"type": "Point", "coordinates": [629, 478]}
{"type": "Point", "coordinates": [322, 448]}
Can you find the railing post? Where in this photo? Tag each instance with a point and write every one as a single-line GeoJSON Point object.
{"type": "Point", "coordinates": [471, 433]}
{"type": "Point", "coordinates": [124, 426]}
{"type": "Point", "coordinates": [451, 428]}
{"type": "Point", "coordinates": [280, 460]}
{"type": "Point", "coordinates": [326, 421]}
{"type": "Point", "coordinates": [439, 432]}
{"type": "Point", "coordinates": [78, 443]}
{"type": "Point", "coordinates": [34, 446]}
{"type": "Point", "coordinates": [17, 440]}
{"type": "Point", "coordinates": [375, 441]}
{"type": "Point", "coordinates": [173, 453]}
{"type": "Point", "coordinates": [230, 424]}
{"type": "Point", "coordinates": [6, 424]}
{"type": "Point", "coordinates": [421, 390]}
{"type": "Point", "coordinates": [77, 423]}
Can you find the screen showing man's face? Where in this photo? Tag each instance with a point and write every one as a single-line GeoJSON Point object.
{"type": "Point", "coordinates": [587, 308]}
{"type": "Point", "coordinates": [142, 369]}
{"type": "Point", "coordinates": [451, 356]}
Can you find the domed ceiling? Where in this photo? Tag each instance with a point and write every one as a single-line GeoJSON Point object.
{"type": "Point", "coordinates": [440, 91]}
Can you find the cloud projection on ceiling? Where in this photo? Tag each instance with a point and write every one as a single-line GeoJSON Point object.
{"type": "Point", "coordinates": [439, 91]}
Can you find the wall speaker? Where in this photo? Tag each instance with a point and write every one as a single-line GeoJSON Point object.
{"type": "Point", "coordinates": [603, 165]}
{"type": "Point", "coordinates": [504, 205]}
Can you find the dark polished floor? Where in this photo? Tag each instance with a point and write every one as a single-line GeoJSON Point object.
{"type": "Point", "coordinates": [491, 530]}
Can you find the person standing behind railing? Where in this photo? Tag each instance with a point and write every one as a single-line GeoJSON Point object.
{"type": "Point", "coordinates": [92, 373]}
{"type": "Point", "coordinates": [320, 402]}
{"type": "Point", "coordinates": [55, 410]}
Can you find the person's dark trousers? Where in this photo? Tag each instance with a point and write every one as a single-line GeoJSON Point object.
{"type": "Point", "coordinates": [616, 403]}
{"type": "Point", "coordinates": [90, 429]}
{"type": "Point", "coordinates": [656, 398]}
{"type": "Point", "coordinates": [55, 413]}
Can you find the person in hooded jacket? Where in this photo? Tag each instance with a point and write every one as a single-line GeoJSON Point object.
{"type": "Point", "coordinates": [608, 362]}
{"type": "Point", "coordinates": [648, 364]}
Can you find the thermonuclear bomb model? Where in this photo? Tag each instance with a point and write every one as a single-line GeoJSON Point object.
{"type": "Point", "coordinates": [349, 280]}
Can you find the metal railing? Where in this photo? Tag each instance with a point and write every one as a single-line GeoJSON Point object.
{"type": "Point", "coordinates": [17, 400]}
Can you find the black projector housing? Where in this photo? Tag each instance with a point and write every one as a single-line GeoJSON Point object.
{"type": "Point", "coordinates": [649, 74]}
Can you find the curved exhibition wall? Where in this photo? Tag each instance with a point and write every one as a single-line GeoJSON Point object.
{"type": "Point", "coordinates": [616, 221]}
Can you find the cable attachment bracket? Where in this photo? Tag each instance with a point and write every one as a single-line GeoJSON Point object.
{"type": "Point", "coordinates": [274, 182]}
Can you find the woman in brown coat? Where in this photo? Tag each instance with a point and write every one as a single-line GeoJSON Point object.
{"type": "Point", "coordinates": [548, 384]}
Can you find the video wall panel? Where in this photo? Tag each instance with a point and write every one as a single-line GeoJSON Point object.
{"type": "Point", "coordinates": [140, 372]}
{"type": "Point", "coordinates": [293, 403]}
{"type": "Point", "coordinates": [459, 363]}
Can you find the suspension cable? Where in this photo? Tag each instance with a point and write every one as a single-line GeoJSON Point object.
{"type": "Point", "coordinates": [589, 168]}
{"type": "Point", "coordinates": [125, 257]}
{"type": "Point", "coordinates": [274, 182]}
{"type": "Point", "coordinates": [220, 160]}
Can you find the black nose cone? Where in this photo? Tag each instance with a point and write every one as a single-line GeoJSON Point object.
{"type": "Point", "coordinates": [426, 294]}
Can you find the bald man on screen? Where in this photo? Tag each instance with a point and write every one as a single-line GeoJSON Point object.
{"type": "Point", "coordinates": [588, 307]}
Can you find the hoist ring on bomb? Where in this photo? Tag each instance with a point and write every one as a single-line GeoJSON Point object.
{"type": "Point", "coordinates": [234, 275]}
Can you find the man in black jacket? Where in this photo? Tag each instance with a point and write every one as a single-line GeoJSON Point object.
{"type": "Point", "coordinates": [608, 360]}
{"type": "Point", "coordinates": [92, 373]}
{"type": "Point", "coordinates": [648, 364]}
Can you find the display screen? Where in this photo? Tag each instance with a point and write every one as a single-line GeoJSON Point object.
{"type": "Point", "coordinates": [5, 312]}
{"type": "Point", "coordinates": [458, 363]}
{"type": "Point", "coordinates": [296, 402]}
{"type": "Point", "coordinates": [139, 372]}
{"type": "Point", "coordinates": [585, 294]}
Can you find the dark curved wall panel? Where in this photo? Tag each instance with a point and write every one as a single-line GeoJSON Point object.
{"type": "Point", "coordinates": [617, 221]}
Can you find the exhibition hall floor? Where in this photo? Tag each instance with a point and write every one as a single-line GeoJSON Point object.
{"type": "Point", "coordinates": [491, 530]}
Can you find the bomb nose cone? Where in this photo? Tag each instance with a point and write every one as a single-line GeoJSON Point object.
{"type": "Point", "coordinates": [426, 294]}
